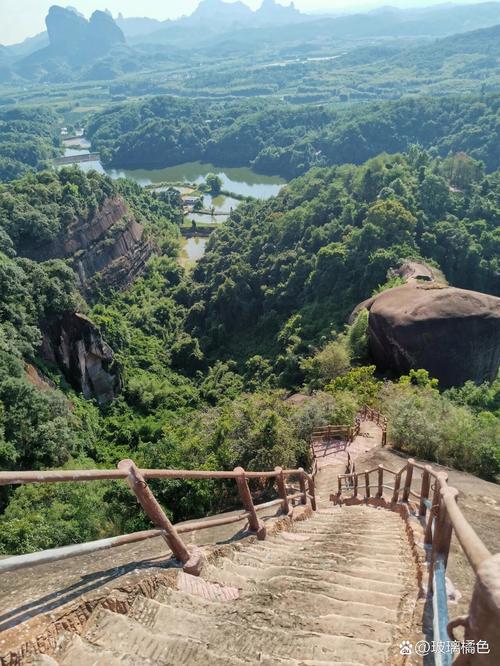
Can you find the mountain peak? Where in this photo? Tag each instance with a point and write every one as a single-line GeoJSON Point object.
{"type": "Point", "coordinates": [270, 9]}
{"type": "Point", "coordinates": [70, 33]}
{"type": "Point", "coordinates": [215, 9]}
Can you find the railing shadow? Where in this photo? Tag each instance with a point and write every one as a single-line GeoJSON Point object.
{"type": "Point", "coordinates": [87, 583]}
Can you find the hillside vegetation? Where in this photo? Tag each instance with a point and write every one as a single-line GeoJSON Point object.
{"type": "Point", "coordinates": [29, 139]}
{"type": "Point", "coordinates": [282, 274]}
{"type": "Point", "coordinates": [206, 359]}
{"type": "Point", "coordinates": [288, 141]}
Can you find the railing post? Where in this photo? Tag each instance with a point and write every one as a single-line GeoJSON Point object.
{"type": "Point", "coordinates": [367, 485]}
{"type": "Point", "coordinates": [397, 484]}
{"type": "Point", "coordinates": [424, 490]}
{"type": "Point", "coordinates": [302, 482]}
{"type": "Point", "coordinates": [312, 490]}
{"type": "Point", "coordinates": [433, 513]}
{"type": "Point", "coordinates": [380, 491]}
{"type": "Point", "coordinates": [280, 480]}
{"type": "Point", "coordinates": [355, 489]}
{"type": "Point", "coordinates": [193, 561]}
{"type": "Point", "coordinates": [254, 522]}
{"type": "Point", "coordinates": [409, 477]}
{"type": "Point", "coordinates": [442, 547]}
{"type": "Point", "coordinates": [483, 620]}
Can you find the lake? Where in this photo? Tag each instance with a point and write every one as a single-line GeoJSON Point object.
{"type": "Point", "coordinates": [242, 180]}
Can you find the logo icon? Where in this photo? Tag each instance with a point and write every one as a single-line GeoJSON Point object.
{"type": "Point", "coordinates": [405, 648]}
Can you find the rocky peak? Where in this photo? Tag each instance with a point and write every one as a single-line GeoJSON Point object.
{"type": "Point", "coordinates": [70, 34]}
{"type": "Point", "coordinates": [270, 10]}
{"type": "Point", "coordinates": [67, 30]}
{"type": "Point", "coordinates": [103, 32]}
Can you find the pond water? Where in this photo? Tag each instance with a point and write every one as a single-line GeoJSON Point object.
{"type": "Point", "coordinates": [221, 205]}
{"type": "Point", "coordinates": [242, 181]}
{"type": "Point", "coordinates": [193, 249]}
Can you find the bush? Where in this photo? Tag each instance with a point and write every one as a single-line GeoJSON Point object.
{"type": "Point", "coordinates": [357, 337]}
{"type": "Point", "coordinates": [331, 362]}
{"type": "Point", "coordinates": [429, 426]}
{"type": "Point", "coordinates": [52, 515]}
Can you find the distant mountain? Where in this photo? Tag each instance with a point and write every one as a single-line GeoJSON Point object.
{"type": "Point", "coordinates": [484, 43]}
{"type": "Point", "coordinates": [74, 42]}
{"type": "Point", "coordinates": [271, 12]}
{"type": "Point", "coordinates": [95, 48]}
{"type": "Point", "coordinates": [134, 27]}
{"type": "Point", "coordinates": [215, 17]}
{"type": "Point", "coordinates": [72, 36]}
{"type": "Point", "coordinates": [29, 45]}
{"type": "Point", "coordinates": [218, 10]}
{"type": "Point", "coordinates": [239, 25]}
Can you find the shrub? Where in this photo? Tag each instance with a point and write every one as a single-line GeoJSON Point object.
{"type": "Point", "coordinates": [429, 426]}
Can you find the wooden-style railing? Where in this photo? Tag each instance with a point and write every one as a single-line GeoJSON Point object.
{"type": "Point", "coordinates": [137, 480]}
{"type": "Point", "coordinates": [437, 507]}
{"type": "Point", "coordinates": [369, 414]}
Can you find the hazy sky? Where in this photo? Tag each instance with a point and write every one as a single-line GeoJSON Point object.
{"type": "Point", "coordinates": [23, 18]}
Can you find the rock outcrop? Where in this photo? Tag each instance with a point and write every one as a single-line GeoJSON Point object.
{"type": "Point", "coordinates": [72, 36]}
{"type": "Point", "coordinates": [109, 250]}
{"type": "Point", "coordinates": [452, 333]}
{"type": "Point", "coordinates": [86, 360]}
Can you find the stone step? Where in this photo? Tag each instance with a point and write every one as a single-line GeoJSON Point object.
{"type": "Point", "coordinates": [241, 636]}
{"type": "Point", "coordinates": [385, 602]}
{"type": "Point", "coordinates": [263, 609]}
{"type": "Point", "coordinates": [163, 649]}
{"type": "Point", "coordinates": [316, 561]}
{"type": "Point", "coordinates": [327, 574]}
{"type": "Point", "coordinates": [80, 652]}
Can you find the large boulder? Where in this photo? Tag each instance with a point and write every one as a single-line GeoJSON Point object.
{"type": "Point", "coordinates": [75, 345]}
{"type": "Point", "coordinates": [452, 333]}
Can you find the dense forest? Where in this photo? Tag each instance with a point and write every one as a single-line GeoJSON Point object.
{"type": "Point", "coordinates": [296, 266]}
{"type": "Point", "coordinates": [29, 138]}
{"type": "Point", "coordinates": [287, 140]}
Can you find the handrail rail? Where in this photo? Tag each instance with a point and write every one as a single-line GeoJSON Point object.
{"type": "Point", "coordinates": [58, 476]}
{"type": "Point", "coordinates": [369, 414]}
{"type": "Point", "coordinates": [472, 545]}
{"type": "Point", "coordinates": [442, 517]}
{"type": "Point", "coordinates": [137, 480]}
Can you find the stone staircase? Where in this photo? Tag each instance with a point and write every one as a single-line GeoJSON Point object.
{"type": "Point", "coordinates": [338, 588]}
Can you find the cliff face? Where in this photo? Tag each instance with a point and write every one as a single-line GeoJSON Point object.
{"type": "Point", "coordinates": [452, 333]}
{"type": "Point", "coordinates": [86, 360]}
{"type": "Point", "coordinates": [109, 250]}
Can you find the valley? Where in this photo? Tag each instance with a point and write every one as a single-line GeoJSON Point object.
{"type": "Point", "coordinates": [292, 219]}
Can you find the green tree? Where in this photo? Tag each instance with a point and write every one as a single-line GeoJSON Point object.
{"type": "Point", "coordinates": [214, 183]}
